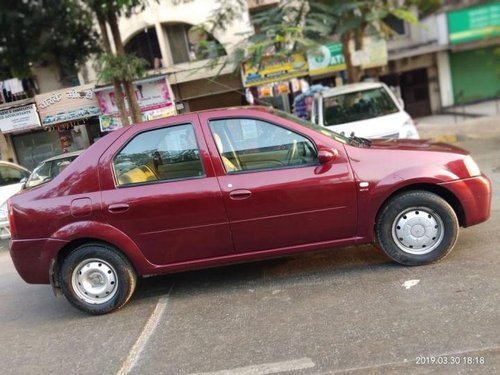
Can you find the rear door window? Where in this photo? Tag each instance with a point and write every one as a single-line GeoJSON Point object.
{"type": "Point", "coordinates": [170, 153]}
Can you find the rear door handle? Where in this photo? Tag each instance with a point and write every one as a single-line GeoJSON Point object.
{"type": "Point", "coordinates": [240, 194]}
{"type": "Point", "coordinates": [118, 208]}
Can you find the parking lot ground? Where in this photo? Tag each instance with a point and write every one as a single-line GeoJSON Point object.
{"type": "Point", "coordinates": [344, 311]}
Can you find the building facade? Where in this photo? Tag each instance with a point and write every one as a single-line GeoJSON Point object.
{"type": "Point", "coordinates": [448, 58]}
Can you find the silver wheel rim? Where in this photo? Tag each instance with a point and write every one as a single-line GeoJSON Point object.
{"type": "Point", "coordinates": [418, 230]}
{"type": "Point", "coordinates": [94, 281]}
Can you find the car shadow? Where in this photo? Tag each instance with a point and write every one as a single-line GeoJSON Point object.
{"type": "Point", "coordinates": [308, 267]}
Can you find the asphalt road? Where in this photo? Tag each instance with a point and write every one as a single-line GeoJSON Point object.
{"type": "Point", "coordinates": [348, 310]}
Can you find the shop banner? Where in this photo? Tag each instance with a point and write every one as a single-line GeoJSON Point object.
{"type": "Point", "coordinates": [274, 69]}
{"type": "Point", "coordinates": [326, 59]}
{"type": "Point", "coordinates": [19, 118]}
{"type": "Point", "coordinates": [479, 22]}
{"type": "Point", "coordinates": [71, 104]}
{"type": "Point", "coordinates": [154, 96]}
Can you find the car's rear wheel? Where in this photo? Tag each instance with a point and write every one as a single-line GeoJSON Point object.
{"type": "Point", "coordinates": [97, 279]}
{"type": "Point", "coordinates": [416, 228]}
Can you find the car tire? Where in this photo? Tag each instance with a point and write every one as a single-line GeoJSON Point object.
{"type": "Point", "coordinates": [97, 279]}
{"type": "Point", "coordinates": [416, 228]}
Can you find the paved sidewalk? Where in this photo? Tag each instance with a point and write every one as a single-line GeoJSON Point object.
{"type": "Point", "coordinates": [473, 121]}
{"type": "Point", "coordinates": [4, 245]}
{"type": "Point", "coordinates": [440, 128]}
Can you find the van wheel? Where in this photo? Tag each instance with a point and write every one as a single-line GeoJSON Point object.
{"type": "Point", "coordinates": [416, 228]}
{"type": "Point", "coordinates": [97, 279]}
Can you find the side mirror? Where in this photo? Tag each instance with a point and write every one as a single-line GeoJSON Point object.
{"type": "Point", "coordinates": [326, 156]}
{"type": "Point", "coordinates": [23, 182]}
{"type": "Point", "coordinates": [401, 103]}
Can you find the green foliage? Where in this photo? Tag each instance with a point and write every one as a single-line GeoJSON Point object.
{"type": "Point", "coordinates": [118, 7]}
{"type": "Point", "coordinates": [426, 7]}
{"type": "Point", "coordinates": [36, 31]}
{"type": "Point", "coordinates": [299, 25]}
{"type": "Point", "coordinates": [122, 68]}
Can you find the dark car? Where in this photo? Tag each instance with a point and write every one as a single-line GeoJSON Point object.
{"type": "Point", "coordinates": [225, 186]}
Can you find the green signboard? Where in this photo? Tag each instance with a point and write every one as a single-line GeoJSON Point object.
{"type": "Point", "coordinates": [326, 59]}
{"type": "Point", "coordinates": [475, 23]}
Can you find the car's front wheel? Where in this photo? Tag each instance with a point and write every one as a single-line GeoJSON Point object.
{"type": "Point", "coordinates": [416, 228]}
{"type": "Point", "coordinates": [97, 279]}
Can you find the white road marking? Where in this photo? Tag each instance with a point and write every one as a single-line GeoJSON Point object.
{"type": "Point", "coordinates": [410, 283]}
{"type": "Point", "coordinates": [146, 333]}
{"type": "Point", "coordinates": [266, 368]}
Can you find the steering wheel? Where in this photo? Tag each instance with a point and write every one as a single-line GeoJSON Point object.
{"type": "Point", "coordinates": [292, 152]}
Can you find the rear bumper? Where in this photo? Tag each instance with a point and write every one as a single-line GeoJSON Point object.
{"type": "Point", "coordinates": [475, 196]}
{"type": "Point", "coordinates": [32, 258]}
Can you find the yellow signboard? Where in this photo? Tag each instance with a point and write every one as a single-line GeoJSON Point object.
{"type": "Point", "coordinates": [273, 69]}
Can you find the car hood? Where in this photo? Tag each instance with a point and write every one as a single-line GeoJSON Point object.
{"type": "Point", "coordinates": [416, 145]}
{"type": "Point", "coordinates": [8, 191]}
{"type": "Point", "coordinates": [406, 159]}
{"type": "Point", "coordinates": [387, 126]}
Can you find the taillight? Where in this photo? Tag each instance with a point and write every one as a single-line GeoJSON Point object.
{"type": "Point", "coordinates": [12, 222]}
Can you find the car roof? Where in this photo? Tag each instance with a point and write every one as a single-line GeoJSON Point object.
{"type": "Point", "coordinates": [260, 108]}
{"type": "Point", "coordinates": [63, 156]}
{"type": "Point", "coordinates": [13, 165]}
{"type": "Point", "coordinates": [354, 87]}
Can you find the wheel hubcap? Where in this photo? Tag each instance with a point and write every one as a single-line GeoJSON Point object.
{"type": "Point", "coordinates": [94, 281]}
{"type": "Point", "coordinates": [418, 230]}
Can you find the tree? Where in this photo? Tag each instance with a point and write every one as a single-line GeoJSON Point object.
{"type": "Point", "coordinates": [117, 67]}
{"type": "Point", "coordinates": [59, 31]}
{"type": "Point", "coordinates": [297, 26]}
{"type": "Point", "coordinates": [351, 20]}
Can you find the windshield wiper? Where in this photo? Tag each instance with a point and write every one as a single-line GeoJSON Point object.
{"type": "Point", "coordinates": [360, 140]}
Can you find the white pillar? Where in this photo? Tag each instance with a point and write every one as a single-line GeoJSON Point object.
{"type": "Point", "coordinates": [445, 81]}
{"type": "Point", "coordinates": [166, 56]}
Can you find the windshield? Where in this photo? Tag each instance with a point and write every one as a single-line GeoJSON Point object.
{"type": "Point", "coordinates": [45, 172]}
{"type": "Point", "coordinates": [320, 129]}
{"type": "Point", "coordinates": [357, 106]}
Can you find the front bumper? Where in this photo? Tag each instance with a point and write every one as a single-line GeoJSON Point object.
{"type": "Point", "coordinates": [32, 258]}
{"type": "Point", "coordinates": [474, 195]}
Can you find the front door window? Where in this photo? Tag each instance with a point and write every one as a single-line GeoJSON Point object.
{"type": "Point", "coordinates": [250, 145]}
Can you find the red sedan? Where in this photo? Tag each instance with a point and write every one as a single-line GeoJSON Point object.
{"type": "Point", "coordinates": [233, 185]}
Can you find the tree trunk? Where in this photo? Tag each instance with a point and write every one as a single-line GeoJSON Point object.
{"type": "Point", "coordinates": [120, 100]}
{"type": "Point", "coordinates": [101, 20]}
{"type": "Point", "coordinates": [132, 100]}
{"type": "Point", "coordinates": [115, 31]}
{"type": "Point", "coordinates": [353, 74]}
{"type": "Point", "coordinates": [133, 105]}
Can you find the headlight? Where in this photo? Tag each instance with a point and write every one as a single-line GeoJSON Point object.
{"type": "Point", "coordinates": [408, 130]}
{"type": "Point", "coordinates": [471, 166]}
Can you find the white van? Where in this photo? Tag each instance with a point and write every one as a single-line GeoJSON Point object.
{"type": "Point", "coordinates": [368, 110]}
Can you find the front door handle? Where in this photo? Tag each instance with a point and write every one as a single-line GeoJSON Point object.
{"type": "Point", "coordinates": [118, 208]}
{"type": "Point", "coordinates": [240, 194]}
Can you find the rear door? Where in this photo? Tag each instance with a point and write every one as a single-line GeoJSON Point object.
{"type": "Point", "coordinates": [159, 187]}
{"type": "Point", "coordinates": [275, 191]}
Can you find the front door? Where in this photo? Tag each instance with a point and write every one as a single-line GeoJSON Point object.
{"type": "Point", "coordinates": [275, 191]}
{"type": "Point", "coordinates": [161, 191]}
